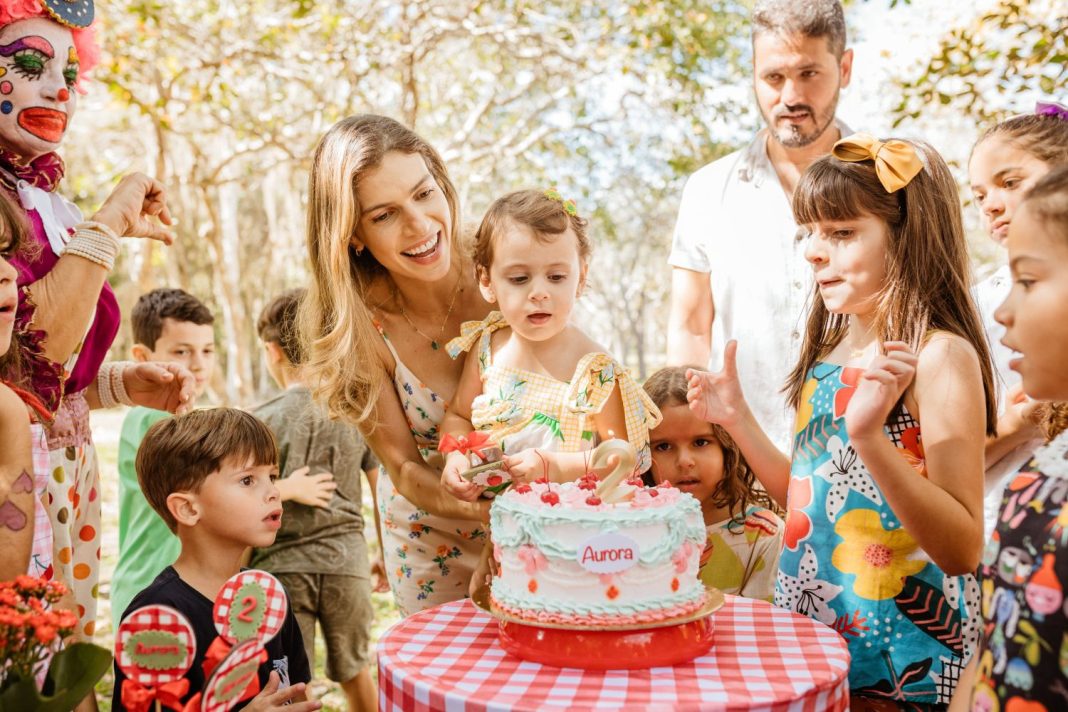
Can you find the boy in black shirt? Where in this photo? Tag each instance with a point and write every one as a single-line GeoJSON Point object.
{"type": "Point", "coordinates": [210, 475]}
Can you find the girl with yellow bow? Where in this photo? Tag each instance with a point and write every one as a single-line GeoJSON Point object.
{"type": "Point", "coordinates": [894, 395]}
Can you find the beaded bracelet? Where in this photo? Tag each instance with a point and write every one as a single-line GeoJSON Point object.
{"type": "Point", "coordinates": [95, 242]}
{"type": "Point", "coordinates": [111, 390]}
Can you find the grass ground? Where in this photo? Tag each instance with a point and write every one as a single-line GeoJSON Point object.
{"type": "Point", "coordinates": [106, 426]}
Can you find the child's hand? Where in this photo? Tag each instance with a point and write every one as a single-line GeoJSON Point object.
{"type": "Point", "coordinates": [289, 699]}
{"type": "Point", "coordinates": [313, 490]}
{"type": "Point", "coordinates": [879, 388]}
{"type": "Point", "coordinates": [379, 579]}
{"type": "Point", "coordinates": [454, 484]}
{"type": "Point", "coordinates": [717, 397]}
{"type": "Point", "coordinates": [526, 465]}
{"type": "Point", "coordinates": [1022, 414]}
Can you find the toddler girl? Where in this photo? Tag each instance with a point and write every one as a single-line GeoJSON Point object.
{"type": "Point", "coordinates": [1021, 663]}
{"type": "Point", "coordinates": [544, 390]}
{"type": "Point", "coordinates": [741, 553]}
{"type": "Point", "coordinates": [1007, 161]}
{"type": "Point", "coordinates": [894, 394]}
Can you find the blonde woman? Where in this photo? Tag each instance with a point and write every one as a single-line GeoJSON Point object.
{"type": "Point", "coordinates": [390, 287]}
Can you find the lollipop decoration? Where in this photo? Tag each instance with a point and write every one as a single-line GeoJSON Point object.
{"type": "Point", "coordinates": [236, 678]}
{"type": "Point", "coordinates": [609, 490]}
{"type": "Point", "coordinates": [252, 604]}
{"type": "Point", "coordinates": [154, 647]}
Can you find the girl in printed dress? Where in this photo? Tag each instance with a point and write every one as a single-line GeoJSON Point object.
{"type": "Point", "coordinates": [544, 390]}
{"type": "Point", "coordinates": [741, 553]}
{"type": "Point", "coordinates": [1022, 662]}
{"type": "Point", "coordinates": [1007, 161]}
{"type": "Point", "coordinates": [894, 395]}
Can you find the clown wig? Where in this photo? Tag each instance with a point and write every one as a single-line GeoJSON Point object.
{"type": "Point", "coordinates": [84, 39]}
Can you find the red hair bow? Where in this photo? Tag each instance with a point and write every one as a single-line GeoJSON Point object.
{"type": "Point", "coordinates": [473, 442]}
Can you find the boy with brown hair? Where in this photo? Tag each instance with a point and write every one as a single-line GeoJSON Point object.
{"type": "Point", "coordinates": [210, 474]}
{"type": "Point", "coordinates": [320, 554]}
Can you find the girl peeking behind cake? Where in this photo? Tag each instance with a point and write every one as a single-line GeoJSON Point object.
{"type": "Point", "coordinates": [744, 534]}
{"type": "Point", "coordinates": [544, 391]}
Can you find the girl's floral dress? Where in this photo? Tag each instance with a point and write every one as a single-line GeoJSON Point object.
{"type": "Point", "coordinates": [741, 555]}
{"type": "Point", "coordinates": [847, 562]}
{"type": "Point", "coordinates": [1023, 660]}
{"type": "Point", "coordinates": [429, 560]}
{"type": "Point", "coordinates": [522, 409]}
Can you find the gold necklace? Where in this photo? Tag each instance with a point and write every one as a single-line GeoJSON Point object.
{"type": "Point", "coordinates": [433, 342]}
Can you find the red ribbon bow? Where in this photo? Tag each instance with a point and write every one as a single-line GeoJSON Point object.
{"type": "Point", "coordinates": [473, 442]}
{"type": "Point", "coordinates": [138, 698]}
{"type": "Point", "coordinates": [218, 650]}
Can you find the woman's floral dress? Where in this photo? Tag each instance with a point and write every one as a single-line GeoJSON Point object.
{"type": "Point", "coordinates": [429, 559]}
{"type": "Point", "coordinates": [847, 562]}
{"type": "Point", "coordinates": [522, 409]}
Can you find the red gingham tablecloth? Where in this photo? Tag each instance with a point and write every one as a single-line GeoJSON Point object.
{"type": "Point", "coordinates": [762, 658]}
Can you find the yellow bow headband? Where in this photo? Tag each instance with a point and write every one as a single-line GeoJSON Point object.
{"type": "Point", "coordinates": [896, 162]}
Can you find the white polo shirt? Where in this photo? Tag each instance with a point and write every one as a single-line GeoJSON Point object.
{"type": "Point", "coordinates": [735, 223]}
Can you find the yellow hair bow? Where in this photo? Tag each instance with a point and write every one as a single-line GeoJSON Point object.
{"type": "Point", "coordinates": [896, 162]}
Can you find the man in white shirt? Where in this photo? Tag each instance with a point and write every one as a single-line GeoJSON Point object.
{"type": "Point", "coordinates": [739, 270]}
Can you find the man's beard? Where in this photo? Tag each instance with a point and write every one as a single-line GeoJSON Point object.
{"type": "Point", "coordinates": [792, 136]}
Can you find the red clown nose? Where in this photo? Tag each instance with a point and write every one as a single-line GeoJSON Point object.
{"type": "Point", "coordinates": [63, 94]}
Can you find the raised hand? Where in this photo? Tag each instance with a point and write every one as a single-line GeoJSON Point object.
{"type": "Point", "coordinates": [161, 386]}
{"type": "Point", "coordinates": [718, 397]}
{"type": "Point", "coordinates": [880, 387]}
{"type": "Point", "coordinates": [312, 490]}
{"type": "Point", "coordinates": [131, 208]}
{"type": "Point", "coordinates": [454, 484]}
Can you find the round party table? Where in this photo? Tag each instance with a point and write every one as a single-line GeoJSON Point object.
{"type": "Point", "coordinates": [762, 657]}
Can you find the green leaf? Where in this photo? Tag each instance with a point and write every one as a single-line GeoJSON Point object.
{"type": "Point", "coordinates": [72, 674]}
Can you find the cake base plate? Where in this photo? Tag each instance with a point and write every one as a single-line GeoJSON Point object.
{"type": "Point", "coordinates": [658, 644]}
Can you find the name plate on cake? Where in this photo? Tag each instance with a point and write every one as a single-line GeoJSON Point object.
{"type": "Point", "coordinates": [608, 553]}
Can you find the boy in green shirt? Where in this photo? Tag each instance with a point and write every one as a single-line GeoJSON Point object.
{"type": "Point", "coordinates": [168, 325]}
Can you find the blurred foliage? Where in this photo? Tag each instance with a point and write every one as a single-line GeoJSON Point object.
{"type": "Point", "coordinates": [1017, 46]}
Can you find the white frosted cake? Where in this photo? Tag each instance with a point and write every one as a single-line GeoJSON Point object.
{"type": "Point", "coordinates": [565, 556]}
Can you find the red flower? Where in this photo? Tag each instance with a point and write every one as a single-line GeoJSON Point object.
{"type": "Point", "coordinates": [798, 523]}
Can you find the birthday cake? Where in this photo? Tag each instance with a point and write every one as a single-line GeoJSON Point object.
{"type": "Point", "coordinates": [567, 556]}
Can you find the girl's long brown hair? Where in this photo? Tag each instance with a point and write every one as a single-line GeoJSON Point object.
{"type": "Point", "coordinates": [927, 269]}
{"type": "Point", "coordinates": [738, 489]}
{"type": "Point", "coordinates": [13, 231]}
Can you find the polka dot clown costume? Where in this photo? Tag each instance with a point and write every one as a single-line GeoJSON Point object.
{"type": "Point", "coordinates": [46, 46]}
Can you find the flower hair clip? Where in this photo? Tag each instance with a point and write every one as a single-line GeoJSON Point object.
{"type": "Point", "coordinates": [1052, 108]}
{"type": "Point", "coordinates": [569, 205]}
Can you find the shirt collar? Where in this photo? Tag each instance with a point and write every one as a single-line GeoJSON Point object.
{"type": "Point", "coordinates": [755, 165]}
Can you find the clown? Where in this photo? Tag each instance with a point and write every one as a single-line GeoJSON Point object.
{"type": "Point", "coordinates": [67, 315]}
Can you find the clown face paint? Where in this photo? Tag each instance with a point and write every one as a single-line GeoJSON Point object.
{"type": "Point", "coordinates": [38, 69]}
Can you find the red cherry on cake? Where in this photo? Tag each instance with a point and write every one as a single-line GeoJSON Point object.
{"type": "Point", "coordinates": [635, 482]}
{"type": "Point", "coordinates": [522, 488]}
{"type": "Point", "coordinates": [587, 485]}
{"type": "Point", "coordinates": [593, 500]}
{"type": "Point", "coordinates": [550, 498]}
{"type": "Point", "coordinates": [653, 493]}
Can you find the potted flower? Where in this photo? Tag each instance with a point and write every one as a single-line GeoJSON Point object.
{"type": "Point", "coordinates": [32, 631]}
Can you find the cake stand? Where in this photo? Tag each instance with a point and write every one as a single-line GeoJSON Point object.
{"type": "Point", "coordinates": [607, 647]}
